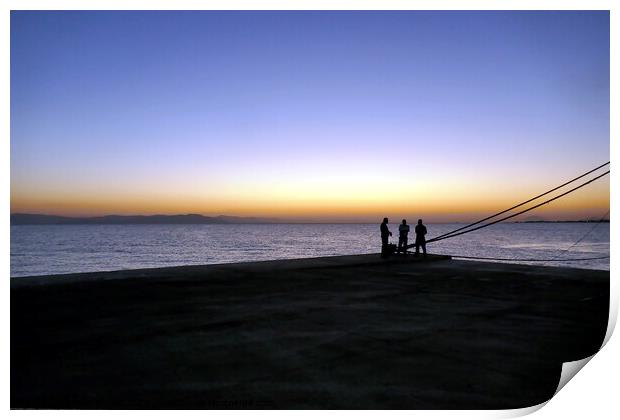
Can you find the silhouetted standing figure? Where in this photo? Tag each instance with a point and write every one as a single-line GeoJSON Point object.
{"type": "Point", "coordinates": [420, 240]}
{"type": "Point", "coordinates": [403, 231]}
{"type": "Point", "coordinates": [385, 234]}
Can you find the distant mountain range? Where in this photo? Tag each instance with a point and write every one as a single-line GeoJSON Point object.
{"type": "Point", "coordinates": [177, 219]}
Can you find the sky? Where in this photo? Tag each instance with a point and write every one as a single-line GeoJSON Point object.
{"type": "Point", "coordinates": [317, 116]}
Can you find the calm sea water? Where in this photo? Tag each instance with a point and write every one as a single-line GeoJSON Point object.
{"type": "Point", "coordinates": [54, 249]}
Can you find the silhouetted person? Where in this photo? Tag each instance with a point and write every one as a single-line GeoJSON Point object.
{"type": "Point", "coordinates": [403, 231]}
{"type": "Point", "coordinates": [385, 234]}
{"type": "Point", "coordinates": [420, 240]}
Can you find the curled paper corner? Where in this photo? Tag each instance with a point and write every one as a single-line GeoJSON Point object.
{"type": "Point", "coordinates": [520, 412]}
{"type": "Point", "coordinates": [570, 369]}
{"type": "Point", "coordinates": [613, 317]}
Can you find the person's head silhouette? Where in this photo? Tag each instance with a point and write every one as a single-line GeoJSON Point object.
{"type": "Point", "coordinates": [385, 220]}
{"type": "Point", "coordinates": [419, 221]}
{"type": "Point", "coordinates": [404, 221]}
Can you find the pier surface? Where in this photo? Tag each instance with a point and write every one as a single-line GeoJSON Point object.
{"type": "Point", "coordinates": [351, 332]}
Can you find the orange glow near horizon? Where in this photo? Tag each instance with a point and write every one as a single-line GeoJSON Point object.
{"type": "Point", "coordinates": [314, 203]}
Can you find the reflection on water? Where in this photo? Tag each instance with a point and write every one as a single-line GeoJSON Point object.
{"type": "Point", "coordinates": [67, 249]}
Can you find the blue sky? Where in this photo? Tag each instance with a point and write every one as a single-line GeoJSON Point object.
{"type": "Point", "coordinates": [305, 113]}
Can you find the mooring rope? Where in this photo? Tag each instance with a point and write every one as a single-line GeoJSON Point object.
{"type": "Point", "coordinates": [518, 205]}
{"type": "Point", "coordinates": [601, 220]}
{"type": "Point", "coordinates": [462, 230]}
{"type": "Point", "coordinates": [469, 257]}
{"type": "Point", "coordinates": [515, 214]}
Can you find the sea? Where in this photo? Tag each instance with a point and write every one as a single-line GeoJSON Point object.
{"type": "Point", "coordinates": [57, 249]}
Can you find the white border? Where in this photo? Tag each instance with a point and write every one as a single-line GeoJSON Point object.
{"type": "Point", "coordinates": [593, 393]}
{"type": "Point", "coordinates": [309, 5]}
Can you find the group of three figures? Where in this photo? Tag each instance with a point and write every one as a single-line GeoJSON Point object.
{"type": "Point", "coordinates": [403, 233]}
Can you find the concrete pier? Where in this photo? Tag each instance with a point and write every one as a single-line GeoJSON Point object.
{"type": "Point", "coordinates": [351, 332]}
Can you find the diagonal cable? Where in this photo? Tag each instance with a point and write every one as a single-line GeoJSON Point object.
{"type": "Point", "coordinates": [516, 214]}
{"type": "Point", "coordinates": [518, 205]}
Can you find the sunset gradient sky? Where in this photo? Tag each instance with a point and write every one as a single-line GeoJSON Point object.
{"type": "Point", "coordinates": [324, 116]}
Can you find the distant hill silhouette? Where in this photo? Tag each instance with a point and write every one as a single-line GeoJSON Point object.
{"type": "Point", "coordinates": [45, 219]}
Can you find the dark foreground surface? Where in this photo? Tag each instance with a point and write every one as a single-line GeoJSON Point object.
{"type": "Point", "coordinates": [342, 332]}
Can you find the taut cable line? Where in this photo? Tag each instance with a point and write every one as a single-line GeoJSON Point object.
{"type": "Point", "coordinates": [468, 257]}
{"type": "Point", "coordinates": [452, 235]}
{"type": "Point", "coordinates": [554, 259]}
{"type": "Point", "coordinates": [520, 204]}
{"type": "Point", "coordinates": [601, 220]}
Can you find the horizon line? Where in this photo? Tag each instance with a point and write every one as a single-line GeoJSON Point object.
{"type": "Point", "coordinates": [281, 220]}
